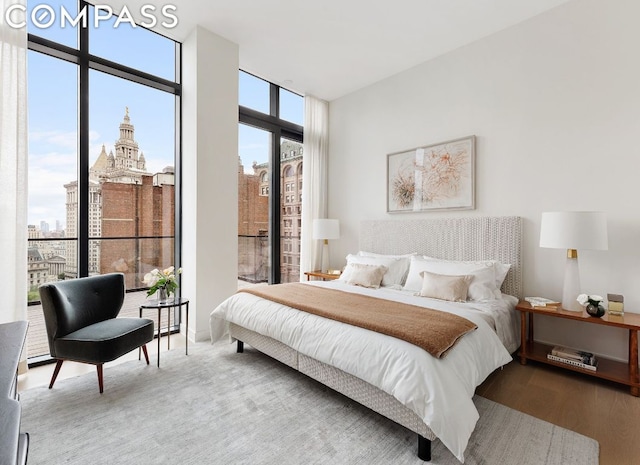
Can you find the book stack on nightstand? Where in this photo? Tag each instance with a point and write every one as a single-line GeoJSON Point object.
{"type": "Point", "coordinates": [573, 357]}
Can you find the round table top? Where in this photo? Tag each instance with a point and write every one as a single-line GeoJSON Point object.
{"type": "Point", "coordinates": [170, 302]}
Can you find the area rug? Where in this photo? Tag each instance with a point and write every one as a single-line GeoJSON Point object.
{"type": "Point", "coordinates": [215, 406]}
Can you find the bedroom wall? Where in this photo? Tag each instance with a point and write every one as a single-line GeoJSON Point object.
{"type": "Point", "coordinates": [554, 103]}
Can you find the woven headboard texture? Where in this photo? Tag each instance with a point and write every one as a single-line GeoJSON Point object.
{"type": "Point", "coordinates": [468, 238]}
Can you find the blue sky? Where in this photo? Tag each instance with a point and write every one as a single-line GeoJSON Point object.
{"type": "Point", "coordinates": [52, 96]}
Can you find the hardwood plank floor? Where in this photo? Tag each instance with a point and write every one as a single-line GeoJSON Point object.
{"type": "Point", "coordinates": [596, 408]}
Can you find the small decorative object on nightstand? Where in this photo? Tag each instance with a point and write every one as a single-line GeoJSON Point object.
{"type": "Point", "coordinates": [592, 304]}
{"type": "Point", "coordinates": [616, 304]}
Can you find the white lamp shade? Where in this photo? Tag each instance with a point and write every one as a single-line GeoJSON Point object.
{"type": "Point", "coordinates": [574, 230]}
{"type": "Point", "coordinates": [324, 228]}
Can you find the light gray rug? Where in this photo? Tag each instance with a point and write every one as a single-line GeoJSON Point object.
{"type": "Point", "coordinates": [219, 407]}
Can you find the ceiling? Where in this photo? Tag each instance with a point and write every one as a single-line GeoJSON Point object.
{"type": "Point", "coordinates": [329, 48]}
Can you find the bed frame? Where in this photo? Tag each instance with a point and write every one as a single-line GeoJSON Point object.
{"type": "Point", "coordinates": [470, 238]}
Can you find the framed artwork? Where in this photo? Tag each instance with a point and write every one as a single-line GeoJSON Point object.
{"type": "Point", "coordinates": [433, 177]}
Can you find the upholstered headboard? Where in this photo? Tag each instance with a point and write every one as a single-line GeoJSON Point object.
{"type": "Point", "coordinates": [469, 238]}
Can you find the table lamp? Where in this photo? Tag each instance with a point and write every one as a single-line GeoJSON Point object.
{"type": "Point", "coordinates": [573, 231]}
{"type": "Point", "coordinates": [325, 229]}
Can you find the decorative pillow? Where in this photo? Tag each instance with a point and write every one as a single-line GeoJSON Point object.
{"type": "Point", "coordinates": [445, 287]}
{"type": "Point", "coordinates": [396, 268]}
{"type": "Point", "coordinates": [359, 274]}
{"type": "Point", "coordinates": [482, 287]}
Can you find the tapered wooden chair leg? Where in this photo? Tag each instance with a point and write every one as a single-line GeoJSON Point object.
{"type": "Point", "coordinates": [100, 379]}
{"type": "Point", "coordinates": [146, 354]}
{"type": "Point", "coordinates": [55, 373]}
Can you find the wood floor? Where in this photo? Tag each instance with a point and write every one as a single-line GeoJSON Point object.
{"type": "Point", "coordinates": [596, 408]}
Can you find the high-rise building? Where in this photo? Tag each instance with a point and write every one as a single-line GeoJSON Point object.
{"type": "Point", "coordinates": [125, 201]}
{"type": "Point", "coordinates": [290, 204]}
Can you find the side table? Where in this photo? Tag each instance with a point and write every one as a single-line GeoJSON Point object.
{"type": "Point", "coordinates": [619, 372]}
{"type": "Point", "coordinates": [321, 275]}
{"type": "Point", "coordinates": [168, 304]}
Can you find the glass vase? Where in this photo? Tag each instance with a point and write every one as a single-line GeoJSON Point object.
{"type": "Point", "coordinates": [162, 295]}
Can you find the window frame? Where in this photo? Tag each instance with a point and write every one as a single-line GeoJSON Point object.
{"type": "Point", "coordinates": [279, 129]}
{"type": "Point", "coordinates": [85, 62]}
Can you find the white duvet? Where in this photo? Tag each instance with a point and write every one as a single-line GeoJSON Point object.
{"type": "Point", "coordinates": [439, 391]}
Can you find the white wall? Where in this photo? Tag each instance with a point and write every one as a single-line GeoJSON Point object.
{"type": "Point", "coordinates": [210, 175]}
{"type": "Point", "coordinates": [555, 105]}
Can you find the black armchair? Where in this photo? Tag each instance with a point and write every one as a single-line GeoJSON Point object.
{"type": "Point", "coordinates": [80, 316]}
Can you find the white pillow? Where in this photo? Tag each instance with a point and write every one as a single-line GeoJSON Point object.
{"type": "Point", "coordinates": [405, 258]}
{"type": "Point", "coordinates": [501, 269]}
{"type": "Point", "coordinates": [362, 253]}
{"type": "Point", "coordinates": [396, 268]}
{"type": "Point", "coordinates": [444, 287]}
{"type": "Point", "coordinates": [482, 287]}
{"type": "Point", "coordinates": [365, 275]}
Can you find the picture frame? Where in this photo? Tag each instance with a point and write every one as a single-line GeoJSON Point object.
{"type": "Point", "coordinates": [432, 177]}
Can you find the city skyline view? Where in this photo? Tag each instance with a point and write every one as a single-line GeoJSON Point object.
{"type": "Point", "coordinates": [53, 106]}
{"type": "Point", "coordinates": [53, 103]}
{"type": "Point", "coordinates": [53, 143]}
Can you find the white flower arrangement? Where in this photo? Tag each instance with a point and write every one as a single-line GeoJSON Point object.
{"type": "Point", "coordinates": [166, 279]}
{"type": "Point", "coordinates": [585, 299]}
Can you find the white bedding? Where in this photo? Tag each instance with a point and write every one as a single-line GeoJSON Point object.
{"type": "Point", "coordinates": [439, 391]}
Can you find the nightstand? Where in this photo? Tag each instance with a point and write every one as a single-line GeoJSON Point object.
{"type": "Point", "coordinates": [321, 275]}
{"type": "Point", "coordinates": [620, 372]}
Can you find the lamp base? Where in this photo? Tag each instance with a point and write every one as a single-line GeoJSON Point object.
{"type": "Point", "coordinates": [571, 287]}
{"type": "Point", "coordinates": [325, 256]}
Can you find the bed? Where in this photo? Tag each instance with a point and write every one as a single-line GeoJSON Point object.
{"type": "Point", "coordinates": [430, 396]}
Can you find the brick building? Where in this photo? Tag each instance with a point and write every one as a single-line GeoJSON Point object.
{"type": "Point", "coordinates": [290, 205]}
{"type": "Point", "coordinates": [131, 213]}
{"type": "Point", "coordinates": [143, 215]}
{"type": "Point", "coordinates": [253, 228]}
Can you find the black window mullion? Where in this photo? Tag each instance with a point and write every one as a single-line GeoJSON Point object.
{"type": "Point", "coordinates": [48, 47]}
{"type": "Point", "coordinates": [83, 148]}
{"type": "Point", "coordinates": [262, 120]}
{"type": "Point", "coordinates": [131, 74]}
{"type": "Point", "coordinates": [275, 205]}
{"type": "Point", "coordinates": [274, 100]}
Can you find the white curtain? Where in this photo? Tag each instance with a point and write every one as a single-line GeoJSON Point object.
{"type": "Point", "coordinates": [13, 168]}
{"type": "Point", "coordinates": [314, 179]}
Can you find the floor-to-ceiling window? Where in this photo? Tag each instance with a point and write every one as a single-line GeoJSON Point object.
{"type": "Point", "coordinates": [104, 158]}
{"type": "Point", "coordinates": [270, 182]}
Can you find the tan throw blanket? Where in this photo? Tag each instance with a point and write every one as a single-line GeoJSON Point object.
{"type": "Point", "coordinates": [433, 330]}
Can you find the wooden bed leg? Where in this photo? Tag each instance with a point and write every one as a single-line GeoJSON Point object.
{"type": "Point", "coordinates": [424, 448]}
{"type": "Point", "coordinates": [240, 348]}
